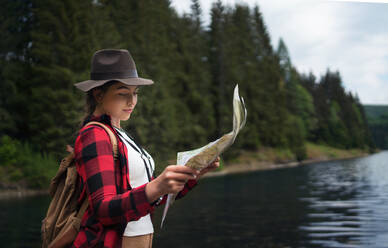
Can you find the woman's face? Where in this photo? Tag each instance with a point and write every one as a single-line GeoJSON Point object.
{"type": "Point", "coordinates": [120, 100]}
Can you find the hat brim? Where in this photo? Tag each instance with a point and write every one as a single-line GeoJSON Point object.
{"type": "Point", "coordinates": [90, 84]}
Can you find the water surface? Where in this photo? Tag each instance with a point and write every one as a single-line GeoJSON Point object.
{"type": "Point", "coordinates": [328, 204]}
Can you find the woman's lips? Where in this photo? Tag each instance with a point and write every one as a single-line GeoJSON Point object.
{"type": "Point", "coordinates": [128, 110]}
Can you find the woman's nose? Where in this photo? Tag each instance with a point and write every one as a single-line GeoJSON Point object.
{"type": "Point", "coordinates": [130, 101]}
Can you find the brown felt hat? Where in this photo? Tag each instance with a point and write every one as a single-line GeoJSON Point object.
{"type": "Point", "coordinates": [112, 64]}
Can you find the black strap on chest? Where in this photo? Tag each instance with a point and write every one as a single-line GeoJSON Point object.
{"type": "Point", "coordinates": [140, 150]}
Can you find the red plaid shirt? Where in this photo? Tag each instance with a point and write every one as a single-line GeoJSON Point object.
{"type": "Point", "coordinates": [112, 201]}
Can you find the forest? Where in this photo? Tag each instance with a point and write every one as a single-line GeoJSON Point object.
{"type": "Point", "coordinates": [377, 116]}
{"type": "Point", "coordinates": [47, 46]}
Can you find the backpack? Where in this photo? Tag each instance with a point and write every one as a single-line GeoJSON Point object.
{"type": "Point", "coordinates": [63, 219]}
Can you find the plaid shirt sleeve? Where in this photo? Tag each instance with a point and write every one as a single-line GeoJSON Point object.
{"type": "Point", "coordinates": [188, 186]}
{"type": "Point", "coordinates": [95, 163]}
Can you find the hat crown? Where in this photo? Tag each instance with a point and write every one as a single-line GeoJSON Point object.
{"type": "Point", "coordinates": [112, 63]}
{"type": "Point", "coordinates": [112, 60]}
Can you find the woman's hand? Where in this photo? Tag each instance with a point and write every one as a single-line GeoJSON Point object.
{"type": "Point", "coordinates": [171, 180]}
{"type": "Point", "coordinates": [214, 165]}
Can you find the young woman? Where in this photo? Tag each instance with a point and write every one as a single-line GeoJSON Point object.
{"type": "Point", "coordinates": [122, 193]}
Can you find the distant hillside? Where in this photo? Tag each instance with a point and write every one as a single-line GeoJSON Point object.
{"type": "Point", "coordinates": [375, 111]}
{"type": "Point", "coordinates": [377, 117]}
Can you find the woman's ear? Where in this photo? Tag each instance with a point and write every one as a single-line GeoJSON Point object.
{"type": "Point", "coordinates": [97, 94]}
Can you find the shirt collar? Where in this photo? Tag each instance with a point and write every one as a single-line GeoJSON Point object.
{"type": "Point", "coordinates": [103, 118]}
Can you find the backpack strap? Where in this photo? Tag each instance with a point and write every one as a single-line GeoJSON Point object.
{"type": "Point", "coordinates": [112, 137]}
{"type": "Point", "coordinates": [82, 209]}
{"type": "Point", "coordinates": [113, 140]}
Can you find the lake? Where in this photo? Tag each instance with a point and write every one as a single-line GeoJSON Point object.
{"type": "Point", "coordinates": [328, 204]}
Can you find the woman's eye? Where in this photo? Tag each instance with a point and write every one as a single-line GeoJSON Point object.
{"type": "Point", "coordinates": [126, 94]}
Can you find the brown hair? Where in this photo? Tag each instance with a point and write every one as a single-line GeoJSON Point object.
{"type": "Point", "coordinates": [90, 101]}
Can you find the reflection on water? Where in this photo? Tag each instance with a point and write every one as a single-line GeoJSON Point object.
{"type": "Point", "coordinates": [20, 221]}
{"type": "Point", "coordinates": [331, 204]}
{"type": "Point", "coordinates": [348, 204]}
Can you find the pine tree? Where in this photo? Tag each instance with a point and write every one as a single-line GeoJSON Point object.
{"type": "Point", "coordinates": [193, 81]}
{"type": "Point", "coordinates": [15, 25]}
{"type": "Point", "coordinates": [217, 58]}
{"type": "Point", "coordinates": [62, 44]}
{"type": "Point", "coordinates": [270, 88]}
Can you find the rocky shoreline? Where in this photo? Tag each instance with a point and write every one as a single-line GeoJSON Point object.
{"type": "Point", "coordinates": [19, 193]}
{"type": "Point", "coordinates": [263, 165]}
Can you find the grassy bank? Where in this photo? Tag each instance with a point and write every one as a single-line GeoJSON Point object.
{"type": "Point", "coordinates": [273, 158]}
{"type": "Point", "coordinates": [22, 169]}
{"type": "Point", "coordinates": [23, 172]}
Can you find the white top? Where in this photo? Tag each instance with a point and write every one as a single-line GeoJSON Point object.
{"type": "Point", "coordinates": [137, 177]}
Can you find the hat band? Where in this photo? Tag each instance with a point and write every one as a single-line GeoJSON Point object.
{"type": "Point", "coordinates": [112, 75]}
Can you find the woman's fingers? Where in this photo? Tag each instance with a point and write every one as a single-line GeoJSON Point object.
{"type": "Point", "coordinates": [183, 169]}
{"type": "Point", "coordinates": [174, 177]}
{"type": "Point", "coordinates": [214, 165]}
{"type": "Point", "coordinates": [182, 177]}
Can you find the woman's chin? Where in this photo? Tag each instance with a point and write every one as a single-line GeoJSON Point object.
{"type": "Point", "coordinates": [126, 117]}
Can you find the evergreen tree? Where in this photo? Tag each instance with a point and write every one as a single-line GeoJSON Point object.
{"type": "Point", "coordinates": [270, 94]}
{"type": "Point", "coordinates": [15, 25]}
{"type": "Point", "coordinates": [217, 43]}
{"type": "Point", "coordinates": [299, 100]}
{"type": "Point", "coordinates": [62, 43]}
{"type": "Point", "coordinates": [263, 39]}
{"type": "Point", "coordinates": [194, 80]}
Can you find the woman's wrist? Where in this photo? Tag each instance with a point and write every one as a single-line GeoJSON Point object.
{"type": "Point", "coordinates": [152, 191]}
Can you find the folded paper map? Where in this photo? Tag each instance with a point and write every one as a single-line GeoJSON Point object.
{"type": "Point", "coordinates": [202, 157]}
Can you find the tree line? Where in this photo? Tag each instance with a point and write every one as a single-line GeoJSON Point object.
{"type": "Point", "coordinates": [47, 46]}
{"type": "Point", "coordinates": [377, 116]}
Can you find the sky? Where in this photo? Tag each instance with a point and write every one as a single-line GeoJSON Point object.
{"type": "Point", "coordinates": [348, 36]}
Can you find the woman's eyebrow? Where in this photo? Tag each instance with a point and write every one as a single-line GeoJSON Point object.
{"type": "Point", "coordinates": [124, 87]}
